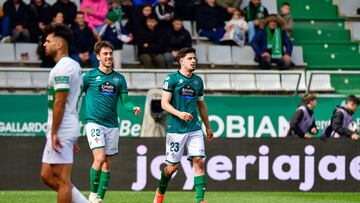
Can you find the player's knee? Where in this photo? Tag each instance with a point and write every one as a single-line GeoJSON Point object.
{"type": "Point", "coordinates": [198, 162]}
{"type": "Point", "coordinates": [99, 159]}
{"type": "Point", "coordinates": [62, 182]}
{"type": "Point", "coordinates": [44, 176]}
{"type": "Point", "coordinates": [172, 168]}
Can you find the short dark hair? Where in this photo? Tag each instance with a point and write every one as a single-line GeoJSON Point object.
{"type": "Point", "coordinates": [102, 44]}
{"type": "Point", "coordinates": [182, 53]}
{"type": "Point", "coordinates": [354, 99]}
{"type": "Point", "coordinates": [308, 98]}
{"type": "Point", "coordinates": [177, 19]}
{"type": "Point", "coordinates": [80, 12]}
{"type": "Point", "coordinates": [61, 31]}
{"type": "Point", "coordinates": [285, 4]}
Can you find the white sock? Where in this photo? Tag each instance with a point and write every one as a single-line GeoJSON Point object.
{"type": "Point", "coordinates": [77, 197]}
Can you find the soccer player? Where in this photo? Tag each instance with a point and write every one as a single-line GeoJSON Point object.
{"type": "Point", "coordinates": [64, 89]}
{"type": "Point", "coordinates": [182, 98]}
{"type": "Point", "coordinates": [341, 118]}
{"type": "Point", "coordinates": [103, 88]}
{"type": "Point", "coordinates": [303, 120]}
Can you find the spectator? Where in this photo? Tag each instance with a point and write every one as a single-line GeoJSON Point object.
{"type": "Point", "coordinates": [271, 44]}
{"type": "Point", "coordinates": [235, 29]}
{"type": "Point", "coordinates": [303, 120]}
{"type": "Point", "coordinates": [229, 5]}
{"type": "Point", "coordinates": [16, 16]}
{"type": "Point", "coordinates": [40, 15]}
{"type": "Point", "coordinates": [285, 14]}
{"type": "Point", "coordinates": [58, 19]}
{"type": "Point", "coordinates": [149, 45]}
{"type": "Point", "coordinates": [95, 13]}
{"type": "Point", "coordinates": [255, 14]}
{"type": "Point", "coordinates": [1, 20]}
{"type": "Point", "coordinates": [186, 9]}
{"type": "Point", "coordinates": [82, 49]}
{"type": "Point", "coordinates": [210, 21]}
{"type": "Point", "coordinates": [143, 2]}
{"type": "Point", "coordinates": [138, 20]}
{"type": "Point", "coordinates": [116, 34]}
{"type": "Point", "coordinates": [164, 13]}
{"type": "Point", "coordinates": [66, 7]}
{"type": "Point", "coordinates": [341, 118]}
{"type": "Point", "coordinates": [175, 39]}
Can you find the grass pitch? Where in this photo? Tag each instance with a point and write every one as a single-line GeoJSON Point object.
{"type": "Point", "coordinates": [189, 197]}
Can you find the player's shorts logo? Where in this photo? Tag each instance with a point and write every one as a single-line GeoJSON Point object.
{"type": "Point", "coordinates": [107, 88]}
{"type": "Point", "coordinates": [187, 92]}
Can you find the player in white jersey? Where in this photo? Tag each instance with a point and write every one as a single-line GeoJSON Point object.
{"type": "Point", "coordinates": [64, 89]}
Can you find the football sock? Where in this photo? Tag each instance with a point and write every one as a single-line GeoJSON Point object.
{"type": "Point", "coordinates": [163, 183]}
{"type": "Point", "coordinates": [104, 184]}
{"type": "Point", "coordinates": [200, 187]}
{"type": "Point", "coordinates": [94, 179]}
{"type": "Point", "coordinates": [77, 197]}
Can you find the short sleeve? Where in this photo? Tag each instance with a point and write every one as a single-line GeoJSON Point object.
{"type": "Point", "coordinates": [62, 79]}
{"type": "Point", "coordinates": [122, 85]}
{"type": "Point", "coordinates": [201, 90]}
{"type": "Point", "coordinates": [85, 81]}
{"type": "Point", "coordinates": [168, 84]}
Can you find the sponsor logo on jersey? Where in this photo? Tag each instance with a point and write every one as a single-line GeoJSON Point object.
{"type": "Point", "coordinates": [196, 82]}
{"type": "Point", "coordinates": [181, 81]}
{"type": "Point", "coordinates": [107, 88]}
{"type": "Point", "coordinates": [98, 78]}
{"type": "Point", "coordinates": [187, 92]}
{"type": "Point", "coordinates": [116, 80]}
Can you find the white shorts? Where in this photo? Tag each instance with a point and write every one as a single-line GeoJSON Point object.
{"type": "Point", "coordinates": [175, 145]}
{"type": "Point", "coordinates": [103, 137]}
{"type": "Point", "coordinates": [65, 154]}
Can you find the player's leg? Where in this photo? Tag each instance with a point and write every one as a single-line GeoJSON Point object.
{"type": "Point", "coordinates": [196, 150]}
{"type": "Point", "coordinates": [95, 136]}
{"type": "Point", "coordinates": [104, 178]}
{"type": "Point", "coordinates": [62, 173]}
{"type": "Point", "coordinates": [48, 177]}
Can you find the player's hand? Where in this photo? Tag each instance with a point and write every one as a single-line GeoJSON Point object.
{"type": "Point", "coordinates": [355, 136]}
{"type": "Point", "coordinates": [313, 131]}
{"type": "Point", "coordinates": [55, 142]}
{"type": "Point", "coordinates": [307, 136]}
{"type": "Point", "coordinates": [76, 148]}
{"type": "Point", "coordinates": [137, 111]}
{"type": "Point", "coordinates": [185, 116]}
{"type": "Point", "coordinates": [209, 135]}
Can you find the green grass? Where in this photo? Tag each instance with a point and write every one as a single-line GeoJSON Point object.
{"type": "Point", "coordinates": [184, 197]}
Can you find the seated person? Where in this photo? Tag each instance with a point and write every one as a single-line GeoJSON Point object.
{"type": "Point", "coordinates": [164, 13]}
{"type": "Point", "coordinates": [229, 5]}
{"type": "Point", "coordinates": [210, 21]}
{"type": "Point", "coordinates": [287, 18]}
{"type": "Point", "coordinates": [235, 29]}
{"type": "Point", "coordinates": [272, 45]}
{"type": "Point", "coordinates": [255, 13]}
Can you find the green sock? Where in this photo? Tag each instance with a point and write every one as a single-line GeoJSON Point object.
{"type": "Point", "coordinates": [104, 184]}
{"type": "Point", "coordinates": [94, 179]}
{"type": "Point", "coordinates": [200, 187]}
{"type": "Point", "coordinates": [163, 183]}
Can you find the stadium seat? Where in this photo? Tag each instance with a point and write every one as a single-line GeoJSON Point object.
{"type": "Point", "coordinates": [271, 5]}
{"type": "Point", "coordinates": [348, 7]}
{"type": "Point", "coordinates": [29, 49]}
{"type": "Point", "coordinates": [243, 82]}
{"type": "Point", "coordinates": [3, 81]}
{"type": "Point", "coordinates": [220, 55]}
{"type": "Point", "coordinates": [297, 56]}
{"type": "Point", "coordinates": [128, 55]}
{"type": "Point", "coordinates": [19, 79]}
{"type": "Point", "coordinates": [40, 79]}
{"type": "Point", "coordinates": [269, 82]}
{"type": "Point", "coordinates": [218, 82]}
{"type": "Point", "coordinates": [356, 30]}
{"type": "Point", "coordinates": [243, 56]}
{"type": "Point", "coordinates": [289, 82]}
{"type": "Point", "coordinates": [7, 52]}
{"type": "Point", "coordinates": [188, 26]}
{"type": "Point", "coordinates": [320, 82]}
{"type": "Point", "coordinates": [143, 80]}
{"type": "Point", "coordinates": [201, 53]}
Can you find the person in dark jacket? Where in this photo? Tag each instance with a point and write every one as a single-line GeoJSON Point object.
{"type": "Point", "coordinates": [303, 120]}
{"type": "Point", "coordinates": [40, 15]}
{"type": "Point", "coordinates": [255, 13]}
{"type": "Point", "coordinates": [186, 9]}
{"type": "Point", "coordinates": [17, 13]}
{"type": "Point", "coordinates": [66, 7]}
{"type": "Point", "coordinates": [137, 21]}
{"type": "Point", "coordinates": [149, 45]}
{"type": "Point", "coordinates": [272, 45]}
{"type": "Point", "coordinates": [175, 39]}
{"type": "Point", "coordinates": [341, 118]}
{"type": "Point", "coordinates": [210, 20]}
{"type": "Point", "coordinates": [82, 49]}
{"type": "Point", "coordinates": [164, 13]}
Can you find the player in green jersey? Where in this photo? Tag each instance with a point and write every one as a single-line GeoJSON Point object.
{"type": "Point", "coordinates": [103, 88]}
{"type": "Point", "coordinates": [182, 98]}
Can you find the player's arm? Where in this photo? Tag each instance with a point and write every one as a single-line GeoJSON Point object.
{"type": "Point", "coordinates": [166, 105]}
{"type": "Point", "coordinates": [58, 114]}
{"type": "Point", "coordinates": [203, 110]}
{"type": "Point", "coordinates": [129, 106]}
